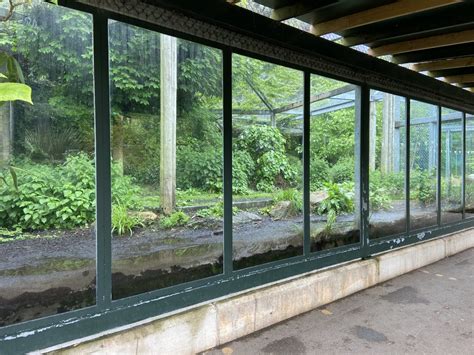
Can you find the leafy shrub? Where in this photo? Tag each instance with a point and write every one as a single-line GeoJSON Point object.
{"type": "Point", "coordinates": [57, 196]}
{"type": "Point", "coordinates": [343, 171]}
{"type": "Point", "coordinates": [295, 198]}
{"type": "Point", "coordinates": [319, 173]}
{"type": "Point", "coordinates": [243, 168]}
{"type": "Point", "coordinates": [199, 167]}
{"type": "Point", "coordinates": [422, 186]}
{"type": "Point", "coordinates": [44, 143]}
{"type": "Point", "coordinates": [124, 222]}
{"type": "Point", "coordinates": [266, 147]}
{"type": "Point", "coordinates": [392, 183]}
{"type": "Point", "coordinates": [379, 199]}
{"type": "Point", "coordinates": [176, 219]}
{"type": "Point", "coordinates": [340, 200]}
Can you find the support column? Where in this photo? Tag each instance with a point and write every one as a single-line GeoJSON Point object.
{"type": "Point", "coordinates": [117, 143]}
{"type": "Point", "coordinates": [373, 135]}
{"type": "Point", "coordinates": [168, 123]}
{"type": "Point", "coordinates": [388, 127]}
{"type": "Point", "coordinates": [5, 133]}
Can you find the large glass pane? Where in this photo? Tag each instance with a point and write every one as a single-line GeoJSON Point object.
{"type": "Point", "coordinates": [451, 165]}
{"type": "Point", "coordinates": [267, 169]}
{"type": "Point", "coordinates": [423, 164]}
{"type": "Point", "coordinates": [387, 158]}
{"type": "Point", "coordinates": [333, 159]}
{"type": "Point", "coordinates": [469, 165]}
{"type": "Point", "coordinates": [167, 213]}
{"type": "Point", "coordinates": [47, 178]}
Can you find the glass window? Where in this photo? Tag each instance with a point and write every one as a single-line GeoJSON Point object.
{"type": "Point", "coordinates": [47, 168]}
{"type": "Point", "coordinates": [267, 177]}
{"type": "Point", "coordinates": [469, 165]}
{"type": "Point", "coordinates": [423, 164]}
{"type": "Point", "coordinates": [333, 179]}
{"type": "Point", "coordinates": [167, 213]}
{"type": "Point", "coordinates": [387, 158]}
{"type": "Point", "coordinates": [451, 165]}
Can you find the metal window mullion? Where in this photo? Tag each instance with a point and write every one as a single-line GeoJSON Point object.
{"type": "Point", "coordinates": [363, 122]}
{"type": "Point", "coordinates": [227, 106]}
{"type": "Point", "coordinates": [438, 187]}
{"type": "Point", "coordinates": [463, 179]}
{"type": "Point", "coordinates": [102, 160]}
{"type": "Point", "coordinates": [306, 164]}
{"type": "Point", "coordinates": [407, 164]}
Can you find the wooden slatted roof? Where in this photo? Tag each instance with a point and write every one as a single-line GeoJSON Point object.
{"type": "Point", "coordinates": [433, 36]}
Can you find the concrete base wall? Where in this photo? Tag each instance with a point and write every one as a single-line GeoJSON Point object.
{"type": "Point", "coordinates": [217, 322]}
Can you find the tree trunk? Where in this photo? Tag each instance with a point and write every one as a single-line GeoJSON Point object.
{"type": "Point", "coordinates": [117, 140]}
{"type": "Point", "coordinates": [388, 128]}
{"type": "Point", "coordinates": [168, 123]}
{"type": "Point", "coordinates": [373, 135]}
{"type": "Point", "coordinates": [5, 133]}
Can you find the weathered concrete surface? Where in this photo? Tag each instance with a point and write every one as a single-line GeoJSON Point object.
{"type": "Point", "coordinates": [221, 321]}
{"type": "Point", "coordinates": [427, 311]}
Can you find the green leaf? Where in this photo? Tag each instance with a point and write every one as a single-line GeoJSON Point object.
{"type": "Point", "coordinates": [15, 91]}
{"type": "Point", "coordinates": [14, 178]}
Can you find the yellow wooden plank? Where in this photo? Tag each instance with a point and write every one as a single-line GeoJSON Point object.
{"type": "Point", "coordinates": [444, 64]}
{"type": "Point", "coordinates": [381, 13]}
{"type": "Point", "coordinates": [437, 41]}
{"type": "Point", "coordinates": [290, 11]}
{"type": "Point", "coordinates": [459, 79]}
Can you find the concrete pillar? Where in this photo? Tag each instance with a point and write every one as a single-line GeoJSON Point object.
{"type": "Point", "coordinates": [168, 123]}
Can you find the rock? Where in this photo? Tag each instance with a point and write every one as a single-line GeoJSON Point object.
{"type": "Point", "coordinates": [281, 210]}
{"type": "Point", "coordinates": [315, 198]}
{"type": "Point", "coordinates": [146, 216]}
{"type": "Point", "coordinates": [246, 217]}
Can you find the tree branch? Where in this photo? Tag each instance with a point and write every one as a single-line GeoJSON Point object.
{"type": "Point", "coordinates": [11, 9]}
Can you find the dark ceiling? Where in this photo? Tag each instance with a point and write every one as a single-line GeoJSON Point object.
{"type": "Point", "coordinates": [434, 36]}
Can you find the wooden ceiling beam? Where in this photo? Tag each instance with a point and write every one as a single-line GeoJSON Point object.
{"type": "Point", "coordinates": [441, 53]}
{"type": "Point", "coordinates": [454, 18]}
{"type": "Point", "coordinates": [444, 64]}
{"type": "Point", "coordinates": [300, 8]}
{"type": "Point", "coordinates": [437, 41]}
{"type": "Point", "coordinates": [377, 14]}
{"type": "Point", "coordinates": [459, 79]}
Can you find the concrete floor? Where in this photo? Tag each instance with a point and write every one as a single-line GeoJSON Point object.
{"type": "Point", "coordinates": [428, 311]}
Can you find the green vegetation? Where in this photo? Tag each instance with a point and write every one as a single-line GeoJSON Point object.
{"type": "Point", "coordinates": [176, 219]}
{"type": "Point", "coordinates": [123, 222]}
{"type": "Point", "coordinates": [49, 182]}
{"type": "Point", "coordinates": [340, 200]}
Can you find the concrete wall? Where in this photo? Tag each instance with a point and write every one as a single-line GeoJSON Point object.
{"type": "Point", "coordinates": [216, 322]}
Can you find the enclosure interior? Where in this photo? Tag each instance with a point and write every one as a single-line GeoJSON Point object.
{"type": "Point", "coordinates": [176, 216]}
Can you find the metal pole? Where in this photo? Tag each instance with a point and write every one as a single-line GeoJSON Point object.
{"type": "Point", "coordinates": [227, 97]}
{"type": "Point", "coordinates": [102, 160]}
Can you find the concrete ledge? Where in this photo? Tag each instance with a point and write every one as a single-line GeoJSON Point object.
{"type": "Point", "coordinates": [217, 322]}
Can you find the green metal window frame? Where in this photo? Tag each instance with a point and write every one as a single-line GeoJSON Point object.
{"type": "Point", "coordinates": [107, 313]}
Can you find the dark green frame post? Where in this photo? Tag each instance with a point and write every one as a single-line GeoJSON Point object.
{"type": "Point", "coordinates": [306, 163]}
{"type": "Point", "coordinates": [407, 162]}
{"type": "Point", "coordinates": [463, 179]}
{"type": "Point", "coordinates": [102, 159]}
{"type": "Point", "coordinates": [227, 105]}
{"type": "Point", "coordinates": [362, 126]}
{"type": "Point", "coordinates": [439, 154]}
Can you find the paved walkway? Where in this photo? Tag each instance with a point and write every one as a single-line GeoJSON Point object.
{"type": "Point", "coordinates": [428, 311]}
